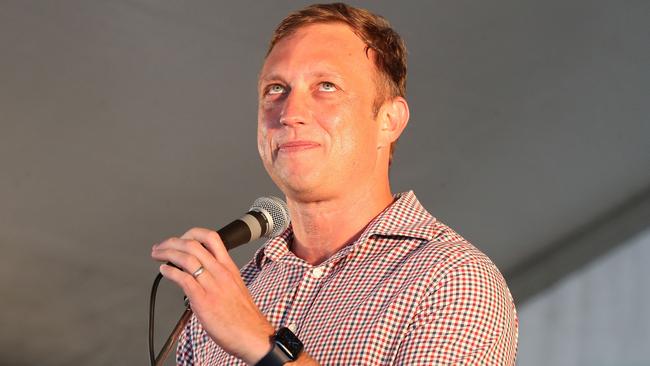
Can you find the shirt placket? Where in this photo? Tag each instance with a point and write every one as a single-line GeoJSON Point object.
{"type": "Point", "coordinates": [305, 294]}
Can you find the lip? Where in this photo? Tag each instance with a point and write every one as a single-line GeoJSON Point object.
{"type": "Point", "coordinates": [298, 145]}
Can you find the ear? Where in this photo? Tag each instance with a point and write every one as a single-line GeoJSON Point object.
{"type": "Point", "coordinates": [393, 117]}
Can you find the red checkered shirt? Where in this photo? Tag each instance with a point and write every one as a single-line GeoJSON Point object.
{"type": "Point", "coordinates": [409, 291]}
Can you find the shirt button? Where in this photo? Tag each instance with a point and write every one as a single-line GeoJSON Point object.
{"type": "Point", "coordinates": [317, 272]}
{"type": "Point", "coordinates": [292, 327]}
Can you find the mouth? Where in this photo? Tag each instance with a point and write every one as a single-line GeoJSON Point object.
{"type": "Point", "coordinates": [294, 146]}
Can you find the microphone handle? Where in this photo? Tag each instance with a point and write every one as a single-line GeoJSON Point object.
{"type": "Point", "coordinates": [251, 226]}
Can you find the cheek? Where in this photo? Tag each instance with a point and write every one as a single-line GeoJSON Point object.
{"type": "Point", "coordinates": [269, 113]}
{"type": "Point", "coordinates": [335, 120]}
{"type": "Point", "coordinates": [354, 131]}
{"type": "Point", "coordinates": [262, 139]}
{"type": "Point", "coordinates": [267, 121]}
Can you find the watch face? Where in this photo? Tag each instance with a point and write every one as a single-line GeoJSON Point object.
{"type": "Point", "coordinates": [289, 343]}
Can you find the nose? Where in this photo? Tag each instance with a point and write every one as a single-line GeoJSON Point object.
{"type": "Point", "coordinates": [295, 109]}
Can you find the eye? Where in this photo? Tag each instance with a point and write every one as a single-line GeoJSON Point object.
{"type": "Point", "coordinates": [326, 86]}
{"type": "Point", "coordinates": [275, 89]}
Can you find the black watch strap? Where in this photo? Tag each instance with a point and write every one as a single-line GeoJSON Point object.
{"type": "Point", "coordinates": [286, 348]}
{"type": "Point", "coordinates": [275, 357]}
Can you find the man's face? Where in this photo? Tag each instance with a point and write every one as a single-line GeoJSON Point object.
{"type": "Point", "coordinates": [317, 135]}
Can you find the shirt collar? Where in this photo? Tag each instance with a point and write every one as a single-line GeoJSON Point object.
{"type": "Point", "coordinates": [275, 248]}
{"type": "Point", "coordinates": [405, 217]}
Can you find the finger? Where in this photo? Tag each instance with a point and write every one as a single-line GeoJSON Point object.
{"type": "Point", "coordinates": [187, 262]}
{"type": "Point", "coordinates": [177, 243]}
{"type": "Point", "coordinates": [212, 241]}
{"type": "Point", "coordinates": [188, 246]}
{"type": "Point", "coordinates": [198, 273]}
{"type": "Point", "coordinates": [192, 289]}
{"type": "Point", "coordinates": [189, 255]}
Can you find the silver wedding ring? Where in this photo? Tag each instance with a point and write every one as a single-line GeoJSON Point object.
{"type": "Point", "coordinates": [198, 272]}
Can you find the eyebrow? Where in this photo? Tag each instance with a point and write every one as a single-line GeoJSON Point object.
{"type": "Point", "coordinates": [316, 74]}
{"type": "Point", "coordinates": [270, 77]}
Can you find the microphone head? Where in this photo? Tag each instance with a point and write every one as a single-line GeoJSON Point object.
{"type": "Point", "coordinates": [276, 212]}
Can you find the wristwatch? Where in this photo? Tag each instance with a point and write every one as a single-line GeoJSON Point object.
{"type": "Point", "coordinates": [286, 348]}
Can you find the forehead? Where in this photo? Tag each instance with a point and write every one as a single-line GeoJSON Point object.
{"type": "Point", "coordinates": [322, 47]}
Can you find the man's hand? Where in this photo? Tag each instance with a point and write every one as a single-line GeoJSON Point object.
{"type": "Point", "coordinates": [218, 296]}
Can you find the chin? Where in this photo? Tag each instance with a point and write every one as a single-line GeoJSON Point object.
{"type": "Point", "coordinates": [297, 183]}
{"type": "Point", "coordinates": [302, 187]}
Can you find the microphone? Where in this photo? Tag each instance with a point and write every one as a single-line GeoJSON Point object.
{"type": "Point", "coordinates": [267, 217]}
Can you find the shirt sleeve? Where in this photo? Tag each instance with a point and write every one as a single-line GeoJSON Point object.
{"type": "Point", "coordinates": [466, 318]}
{"type": "Point", "coordinates": [184, 351]}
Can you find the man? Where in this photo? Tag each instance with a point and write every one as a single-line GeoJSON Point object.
{"type": "Point", "coordinates": [361, 276]}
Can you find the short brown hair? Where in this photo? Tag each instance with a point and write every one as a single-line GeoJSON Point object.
{"type": "Point", "coordinates": [374, 30]}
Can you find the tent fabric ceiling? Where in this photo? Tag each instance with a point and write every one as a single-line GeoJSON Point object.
{"type": "Point", "coordinates": [125, 122]}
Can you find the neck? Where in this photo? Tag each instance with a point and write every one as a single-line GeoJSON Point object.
{"type": "Point", "coordinates": [323, 227]}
